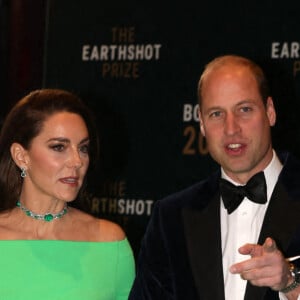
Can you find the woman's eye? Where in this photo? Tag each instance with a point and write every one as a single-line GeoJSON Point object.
{"type": "Point", "coordinates": [85, 149]}
{"type": "Point", "coordinates": [58, 147]}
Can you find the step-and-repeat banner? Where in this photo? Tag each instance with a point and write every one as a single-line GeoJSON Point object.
{"type": "Point", "coordinates": [137, 67]}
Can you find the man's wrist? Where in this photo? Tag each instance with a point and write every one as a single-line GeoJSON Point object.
{"type": "Point", "coordinates": [295, 272]}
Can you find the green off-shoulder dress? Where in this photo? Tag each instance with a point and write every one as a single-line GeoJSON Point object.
{"type": "Point", "coordinates": [63, 270]}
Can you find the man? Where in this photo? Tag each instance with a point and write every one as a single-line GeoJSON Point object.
{"type": "Point", "coordinates": [199, 244]}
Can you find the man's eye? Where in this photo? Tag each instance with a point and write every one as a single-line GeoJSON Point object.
{"type": "Point", "coordinates": [246, 109]}
{"type": "Point", "coordinates": [215, 114]}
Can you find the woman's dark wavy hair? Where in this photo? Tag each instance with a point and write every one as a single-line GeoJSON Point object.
{"type": "Point", "coordinates": [24, 122]}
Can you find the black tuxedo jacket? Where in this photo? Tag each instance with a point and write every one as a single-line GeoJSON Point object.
{"type": "Point", "coordinates": [181, 256]}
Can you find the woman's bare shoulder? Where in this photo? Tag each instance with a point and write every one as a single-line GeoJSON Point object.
{"type": "Point", "coordinates": [101, 230]}
{"type": "Point", "coordinates": [111, 231]}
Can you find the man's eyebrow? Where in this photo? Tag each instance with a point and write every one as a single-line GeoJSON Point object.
{"type": "Point", "coordinates": [212, 109]}
{"type": "Point", "coordinates": [245, 101]}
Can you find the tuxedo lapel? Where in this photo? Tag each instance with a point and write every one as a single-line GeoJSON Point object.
{"type": "Point", "coordinates": [203, 239]}
{"type": "Point", "coordinates": [281, 220]}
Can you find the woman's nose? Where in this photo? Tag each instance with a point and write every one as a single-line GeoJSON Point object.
{"type": "Point", "coordinates": [75, 160]}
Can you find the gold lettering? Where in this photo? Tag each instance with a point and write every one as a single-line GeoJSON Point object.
{"type": "Point", "coordinates": [191, 133]}
{"type": "Point", "coordinates": [202, 144]}
{"type": "Point", "coordinates": [95, 205]}
{"type": "Point", "coordinates": [193, 144]}
{"type": "Point", "coordinates": [123, 34]}
{"type": "Point", "coordinates": [121, 70]}
{"type": "Point", "coordinates": [296, 67]}
{"type": "Point", "coordinates": [105, 69]}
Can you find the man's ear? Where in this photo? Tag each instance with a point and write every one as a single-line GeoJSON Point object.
{"type": "Point", "coordinates": [271, 112]}
{"type": "Point", "coordinates": [19, 155]}
{"type": "Point", "coordinates": [201, 123]}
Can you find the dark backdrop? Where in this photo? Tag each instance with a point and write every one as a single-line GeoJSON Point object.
{"type": "Point", "coordinates": [137, 66]}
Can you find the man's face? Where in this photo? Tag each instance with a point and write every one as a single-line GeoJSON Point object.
{"type": "Point", "coordinates": [235, 122]}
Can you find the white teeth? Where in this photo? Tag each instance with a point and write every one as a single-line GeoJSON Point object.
{"type": "Point", "coordinates": [69, 180]}
{"type": "Point", "coordinates": [234, 146]}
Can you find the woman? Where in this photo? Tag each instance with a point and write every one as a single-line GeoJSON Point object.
{"type": "Point", "coordinates": [50, 250]}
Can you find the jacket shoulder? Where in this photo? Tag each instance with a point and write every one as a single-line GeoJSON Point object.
{"type": "Point", "coordinates": [290, 175]}
{"type": "Point", "coordinates": [196, 195]}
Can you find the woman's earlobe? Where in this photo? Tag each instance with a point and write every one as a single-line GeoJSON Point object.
{"type": "Point", "coordinates": [18, 154]}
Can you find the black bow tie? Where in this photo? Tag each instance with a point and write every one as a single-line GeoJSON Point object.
{"type": "Point", "coordinates": [254, 190]}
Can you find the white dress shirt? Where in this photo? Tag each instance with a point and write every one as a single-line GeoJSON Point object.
{"type": "Point", "coordinates": [241, 227]}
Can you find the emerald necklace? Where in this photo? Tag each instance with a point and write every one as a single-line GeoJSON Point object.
{"type": "Point", "coordinates": [48, 217]}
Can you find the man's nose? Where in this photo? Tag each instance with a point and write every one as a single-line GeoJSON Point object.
{"type": "Point", "coordinates": [231, 124]}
